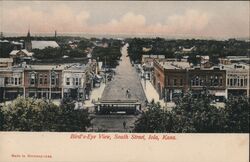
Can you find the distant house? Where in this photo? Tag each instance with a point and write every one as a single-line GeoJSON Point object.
{"type": "Point", "coordinates": [21, 55]}
{"type": "Point", "coordinates": [43, 44]}
{"type": "Point", "coordinates": [6, 62]}
{"type": "Point", "coordinates": [187, 50]}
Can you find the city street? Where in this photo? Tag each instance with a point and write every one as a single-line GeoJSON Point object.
{"type": "Point", "coordinates": [125, 79]}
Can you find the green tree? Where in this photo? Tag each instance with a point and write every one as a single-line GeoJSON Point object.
{"type": "Point", "coordinates": [237, 114]}
{"type": "Point", "coordinates": [154, 119]}
{"type": "Point", "coordinates": [26, 114]}
{"type": "Point", "coordinates": [197, 115]}
{"type": "Point", "coordinates": [1, 119]}
{"type": "Point", "coordinates": [71, 119]}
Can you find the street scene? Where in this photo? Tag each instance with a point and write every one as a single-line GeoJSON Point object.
{"type": "Point", "coordinates": [79, 68]}
{"type": "Point", "coordinates": [124, 86]}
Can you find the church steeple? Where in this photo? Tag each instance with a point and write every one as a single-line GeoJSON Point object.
{"type": "Point", "coordinates": [28, 45]}
{"type": "Point", "coordinates": [55, 34]}
{"type": "Point", "coordinates": [28, 35]}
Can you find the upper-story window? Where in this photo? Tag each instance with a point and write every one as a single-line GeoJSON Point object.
{"type": "Point", "coordinates": [45, 79]}
{"type": "Point", "coordinates": [32, 78]}
{"type": "Point", "coordinates": [168, 81]}
{"type": "Point", "coordinates": [77, 81]}
{"type": "Point", "coordinates": [40, 78]}
{"type": "Point", "coordinates": [175, 82]}
{"type": "Point", "coordinates": [16, 82]}
{"type": "Point", "coordinates": [67, 81]}
{"type": "Point", "coordinates": [181, 82]}
{"type": "Point", "coordinates": [53, 79]}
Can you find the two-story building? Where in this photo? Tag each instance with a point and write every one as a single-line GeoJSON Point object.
{"type": "Point", "coordinates": [237, 79]}
{"type": "Point", "coordinates": [74, 81]}
{"type": "Point", "coordinates": [212, 79]}
{"type": "Point", "coordinates": [43, 81]}
{"type": "Point", "coordinates": [173, 78]}
{"type": "Point", "coordinates": [11, 83]}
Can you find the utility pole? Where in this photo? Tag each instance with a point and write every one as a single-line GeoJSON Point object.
{"type": "Point", "coordinates": [105, 69]}
{"type": "Point", "coordinates": [1, 36]}
{"type": "Point", "coordinates": [50, 72]}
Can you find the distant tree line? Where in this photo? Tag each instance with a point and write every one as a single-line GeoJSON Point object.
{"type": "Point", "coordinates": [197, 115]}
{"type": "Point", "coordinates": [108, 55]}
{"type": "Point", "coordinates": [172, 48]}
{"type": "Point", "coordinates": [27, 114]}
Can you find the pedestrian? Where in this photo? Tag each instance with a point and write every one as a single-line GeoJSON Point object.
{"type": "Point", "coordinates": [124, 124]}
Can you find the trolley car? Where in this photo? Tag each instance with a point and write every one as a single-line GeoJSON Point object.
{"type": "Point", "coordinates": [117, 106]}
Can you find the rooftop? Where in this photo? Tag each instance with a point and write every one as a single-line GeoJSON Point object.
{"type": "Point", "coordinates": [14, 52]}
{"type": "Point", "coordinates": [175, 65]}
{"type": "Point", "coordinates": [235, 66]}
{"type": "Point", "coordinates": [43, 44]}
{"type": "Point", "coordinates": [6, 59]}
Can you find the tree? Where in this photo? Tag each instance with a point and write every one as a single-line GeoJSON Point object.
{"type": "Point", "coordinates": [27, 114]}
{"type": "Point", "coordinates": [191, 115]}
{"type": "Point", "coordinates": [154, 120]}
{"type": "Point", "coordinates": [237, 114]}
{"type": "Point", "coordinates": [71, 119]}
{"type": "Point", "coordinates": [1, 119]}
{"type": "Point", "coordinates": [197, 115]}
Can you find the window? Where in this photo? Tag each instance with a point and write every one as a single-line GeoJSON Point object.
{"type": "Point", "coordinates": [15, 81]}
{"type": "Point", "coordinates": [53, 80]}
{"type": "Point", "coordinates": [19, 81]}
{"type": "Point", "coordinates": [77, 82]}
{"type": "Point", "coordinates": [41, 79]}
{"type": "Point", "coordinates": [74, 80]}
{"type": "Point", "coordinates": [168, 81]}
{"type": "Point", "coordinates": [45, 79]}
{"type": "Point", "coordinates": [241, 83]}
{"type": "Point", "coordinates": [67, 81]}
{"type": "Point", "coordinates": [181, 82]}
{"type": "Point", "coordinates": [231, 82]}
{"type": "Point", "coordinates": [6, 80]}
{"type": "Point", "coordinates": [245, 81]}
{"type": "Point", "coordinates": [32, 79]}
{"type": "Point", "coordinates": [197, 81]}
{"type": "Point", "coordinates": [175, 82]}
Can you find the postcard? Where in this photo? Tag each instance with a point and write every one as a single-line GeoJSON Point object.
{"type": "Point", "coordinates": [124, 81]}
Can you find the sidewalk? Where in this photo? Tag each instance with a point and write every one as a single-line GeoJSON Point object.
{"type": "Point", "coordinates": [95, 94]}
{"type": "Point", "coordinates": [151, 94]}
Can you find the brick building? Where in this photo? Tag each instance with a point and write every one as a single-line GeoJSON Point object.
{"type": "Point", "coordinates": [173, 78]}
{"type": "Point", "coordinates": [43, 81]}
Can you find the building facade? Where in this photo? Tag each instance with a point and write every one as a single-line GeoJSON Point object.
{"type": "Point", "coordinates": [43, 81]}
{"type": "Point", "coordinates": [74, 82]}
{"type": "Point", "coordinates": [11, 83]}
{"type": "Point", "coordinates": [237, 79]}
{"type": "Point", "coordinates": [172, 79]}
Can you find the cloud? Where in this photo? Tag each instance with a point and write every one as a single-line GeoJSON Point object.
{"type": "Point", "coordinates": [61, 18]}
{"type": "Point", "coordinates": [191, 21]}
{"type": "Point", "coordinates": [128, 23]}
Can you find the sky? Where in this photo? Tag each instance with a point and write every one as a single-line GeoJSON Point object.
{"type": "Point", "coordinates": [163, 18]}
